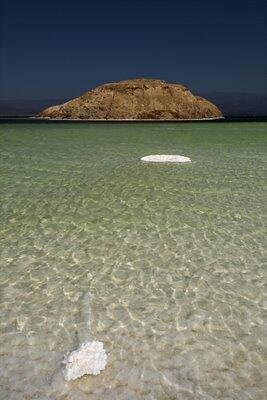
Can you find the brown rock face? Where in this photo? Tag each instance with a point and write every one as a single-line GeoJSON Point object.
{"type": "Point", "coordinates": [135, 99]}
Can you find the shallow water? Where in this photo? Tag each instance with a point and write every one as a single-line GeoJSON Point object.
{"type": "Point", "coordinates": [163, 263]}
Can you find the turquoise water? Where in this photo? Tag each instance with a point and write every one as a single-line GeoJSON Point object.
{"type": "Point", "coordinates": [163, 263]}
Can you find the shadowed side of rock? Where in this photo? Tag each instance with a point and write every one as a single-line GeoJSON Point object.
{"type": "Point", "coordinates": [137, 99]}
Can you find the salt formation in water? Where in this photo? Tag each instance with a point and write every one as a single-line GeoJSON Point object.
{"type": "Point", "coordinates": [90, 358]}
{"type": "Point", "coordinates": [166, 158]}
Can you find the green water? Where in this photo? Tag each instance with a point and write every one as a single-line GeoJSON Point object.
{"type": "Point", "coordinates": [163, 263]}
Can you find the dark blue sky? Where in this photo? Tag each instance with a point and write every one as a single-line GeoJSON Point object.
{"type": "Point", "coordinates": [59, 49]}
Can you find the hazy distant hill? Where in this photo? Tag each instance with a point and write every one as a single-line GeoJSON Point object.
{"type": "Point", "coordinates": [26, 107]}
{"type": "Point", "coordinates": [239, 104]}
{"type": "Point", "coordinates": [231, 104]}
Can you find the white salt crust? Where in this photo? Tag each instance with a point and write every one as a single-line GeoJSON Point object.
{"type": "Point", "coordinates": [166, 158]}
{"type": "Point", "coordinates": [90, 358]}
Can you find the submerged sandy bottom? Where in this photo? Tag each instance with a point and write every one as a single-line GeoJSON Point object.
{"type": "Point", "coordinates": [164, 264]}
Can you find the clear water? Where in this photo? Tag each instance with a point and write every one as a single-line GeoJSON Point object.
{"type": "Point", "coordinates": [163, 263]}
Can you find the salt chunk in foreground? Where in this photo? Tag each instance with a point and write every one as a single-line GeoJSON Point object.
{"type": "Point", "coordinates": [166, 158]}
{"type": "Point", "coordinates": [90, 358]}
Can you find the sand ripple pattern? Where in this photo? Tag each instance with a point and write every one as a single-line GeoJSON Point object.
{"type": "Point", "coordinates": [162, 263]}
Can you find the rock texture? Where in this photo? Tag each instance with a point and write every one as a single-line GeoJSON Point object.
{"type": "Point", "coordinates": [135, 99]}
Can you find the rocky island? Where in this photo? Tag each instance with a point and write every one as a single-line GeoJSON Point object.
{"type": "Point", "coordinates": [137, 99]}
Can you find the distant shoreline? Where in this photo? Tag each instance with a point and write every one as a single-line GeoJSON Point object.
{"type": "Point", "coordinates": [127, 119]}
{"type": "Point", "coordinates": [33, 119]}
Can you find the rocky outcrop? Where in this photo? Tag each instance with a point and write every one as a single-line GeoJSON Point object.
{"type": "Point", "coordinates": [138, 99]}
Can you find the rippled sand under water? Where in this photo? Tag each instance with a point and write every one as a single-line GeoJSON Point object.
{"type": "Point", "coordinates": [162, 263]}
